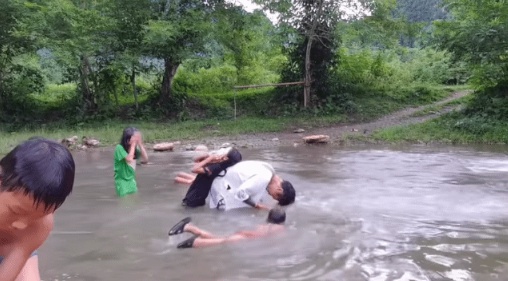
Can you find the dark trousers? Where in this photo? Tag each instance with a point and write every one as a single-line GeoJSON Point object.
{"type": "Point", "coordinates": [198, 191]}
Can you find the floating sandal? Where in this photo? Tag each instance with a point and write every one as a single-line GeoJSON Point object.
{"type": "Point", "coordinates": [178, 228]}
{"type": "Point", "coordinates": [187, 243]}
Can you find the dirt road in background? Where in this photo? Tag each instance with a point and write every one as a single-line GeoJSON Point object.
{"type": "Point", "coordinates": [399, 118]}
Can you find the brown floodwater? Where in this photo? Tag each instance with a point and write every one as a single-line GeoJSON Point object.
{"type": "Point", "coordinates": [363, 213]}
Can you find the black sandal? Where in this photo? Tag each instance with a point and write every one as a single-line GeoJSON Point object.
{"type": "Point", "coordinates": [187, 243]}
{"type": "Point", "coordinates": [178, 228]}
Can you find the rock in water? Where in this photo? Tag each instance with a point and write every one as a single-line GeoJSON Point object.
{"type": "Point", "coordinates": [70, 142]}
{"type": "Point", "coordinates": [90, 142]}
{"type": "Point", "coordinates": [201, 148]}
{"type": "Point", "coordinates": [163, 146]}
{"type": "Point", "coordinates": [316, 139]}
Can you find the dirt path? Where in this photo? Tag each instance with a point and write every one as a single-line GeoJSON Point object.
{"type": "Point", "coordinates": [403, 117]}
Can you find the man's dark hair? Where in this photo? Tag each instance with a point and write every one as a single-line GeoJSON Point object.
{"type": "Point", "coordinates": [41, 168]}
{"type": "Point", "coordinates": [276, 216]}
{"type": "Point", "coordinates": [288, 194]}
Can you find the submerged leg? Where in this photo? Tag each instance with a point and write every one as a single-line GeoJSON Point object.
{"type": "Point", "coordinates": [200, 242]}
{"type": "Point", "coordinates": [184, 178]}
{"type": "Point", "coordinates": [199, 232]}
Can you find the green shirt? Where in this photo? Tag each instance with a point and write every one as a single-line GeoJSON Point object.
{"type": "Point", "coordinates": [125, 174]}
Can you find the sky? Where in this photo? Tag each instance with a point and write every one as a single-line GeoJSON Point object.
{"type": "Point", "coordinates": [249, 7]}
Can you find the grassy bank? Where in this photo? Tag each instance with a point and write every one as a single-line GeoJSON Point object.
{"type": "Point", "coordinates": [453, 128]}
{"type": "Point", "coordinates": [460, 127]}
{"type": "Point", "coordinates": [109, 132]}
{"type": "Point", "coordinates": [253, 120]}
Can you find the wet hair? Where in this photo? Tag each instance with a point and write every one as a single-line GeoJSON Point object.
{"type": "Point", "coordinates": [288, 194]}
{"type": "Point", "coordinates": [41, 168]}
{"type": "Point", "coordinates": [234, 156]}
{"type": "Point", "coordinates": [126, 137]}
{"type": "Point", "coordinates": [276, 216]}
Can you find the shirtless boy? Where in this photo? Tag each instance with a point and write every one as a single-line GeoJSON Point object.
{"type": "Point", "coordinates": [274, 224]}
{"type": "Point", "coordinates": [35, 179]}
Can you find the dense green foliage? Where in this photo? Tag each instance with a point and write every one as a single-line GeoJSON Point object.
{"type": "Point", "coordinates": [86, 61]}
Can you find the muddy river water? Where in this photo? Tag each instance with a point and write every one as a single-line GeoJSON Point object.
{"type": "Point", "coordinates": [362, 213]}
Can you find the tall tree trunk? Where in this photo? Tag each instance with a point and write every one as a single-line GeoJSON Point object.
{"type": "Point", "coordinates": [170, 69]}
{"type": "Point", "coordinates": [133, 83]}
{"type": "Point", "coordinates": [86, 92]}
{"type": "Point", "coordinates": [311, 33]}
{"type": "Point", "coordinates": [308, 77]}
{"type": "Point", "coordinates": [1, 85]}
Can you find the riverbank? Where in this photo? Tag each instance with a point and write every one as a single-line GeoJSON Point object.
{"type": "Point", "coordinates": [407, 125]}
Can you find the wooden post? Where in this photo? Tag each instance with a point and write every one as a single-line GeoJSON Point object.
{"type": "Point", "coordinates": [235, 102]}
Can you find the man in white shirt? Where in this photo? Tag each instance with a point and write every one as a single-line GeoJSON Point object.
{"type": "Point", "coordinates": [244, 185]}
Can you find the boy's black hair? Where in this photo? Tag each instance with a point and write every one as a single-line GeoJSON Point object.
{"type": "Point", "coordinates": [234, 156]}
{"type": "Point", "coordinates": [41, 168]}
{"type": "Point", "coordinates": [288, 194]}
{"type": "Point", "coordinates": [126, 137]}
{"type": "Point", "coordinates": [276, 216]}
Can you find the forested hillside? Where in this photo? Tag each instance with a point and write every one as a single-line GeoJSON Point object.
{"type": "Point", "coordinates": [83, 61]}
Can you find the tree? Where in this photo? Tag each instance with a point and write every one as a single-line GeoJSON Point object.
{"type": "Point", "coordinates": [315, 21]}
{"type": "Point", "coordinates": [176, 31]}
{"type": "Point", "coordinates": [247, 38]}
{"type": "Point", "coordinates": [80, 34]}
{"type": "Point", "coordinates": [18, 76]}
{"type": "Point", "coordinates": [131, 16]}
{"type": "Point", "coordinates": [478, 34]}
{"type": "Point", "coordinates": [421, 10]}
{"type": "Point", "coordinates": [380, 30]}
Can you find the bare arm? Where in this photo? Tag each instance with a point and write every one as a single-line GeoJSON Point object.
{"type": "Point", "coordinates": [132, 151]}
{"type": "Point", "coordinates": [251, 187]}
{"type": "Point", "coordinates": [199, 168]}
{"type": "Point", "coordinates": [16, 259]}
{"type": "Point", "coordinates": [144, 155]}
{"type": "Point", "coordinates": [200, 157]}
{"type": "Point", "coordinates": [13, 264]}
{"type": "Point", "coordinates": [258, 206]}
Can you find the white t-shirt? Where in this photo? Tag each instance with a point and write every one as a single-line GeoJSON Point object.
{"type": "Point", "coordinates": [246, 179]}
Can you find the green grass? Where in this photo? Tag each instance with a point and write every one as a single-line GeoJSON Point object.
{"type": "Point", "coordinates": [109, 132]}
{"type": "Point", "coordinates": [436, 108]}
{"type": "Point", "coordinates": [452, 128]}
{"type": "Point", "coordinates": [376, 105]}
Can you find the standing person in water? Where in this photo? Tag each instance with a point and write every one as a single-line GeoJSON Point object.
{"type": "Point", "coordinates": [35, 179]}
{"type": "Point", "coordinates": [274, 225]}
{"type": "Point", "coordinates": [207, 168]}
{"type": "Point", "coordinates": [127, 153]}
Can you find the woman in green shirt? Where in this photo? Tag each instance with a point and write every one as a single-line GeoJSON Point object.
{"type": "Point", "coordinates": [126, 154]}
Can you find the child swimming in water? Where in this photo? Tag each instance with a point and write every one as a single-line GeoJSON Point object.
{"type": "Point", "coordinates": [127, 153]}
{"type": "Point", "coordinates": [207, 168]}
{"type": "Point", "coordinates": [274, 225]}
{"type": "Point", "coordinates": [35, 179]}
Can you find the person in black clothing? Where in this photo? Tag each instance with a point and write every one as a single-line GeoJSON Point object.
{"type": "Point", "coordinates": [207, 168]}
